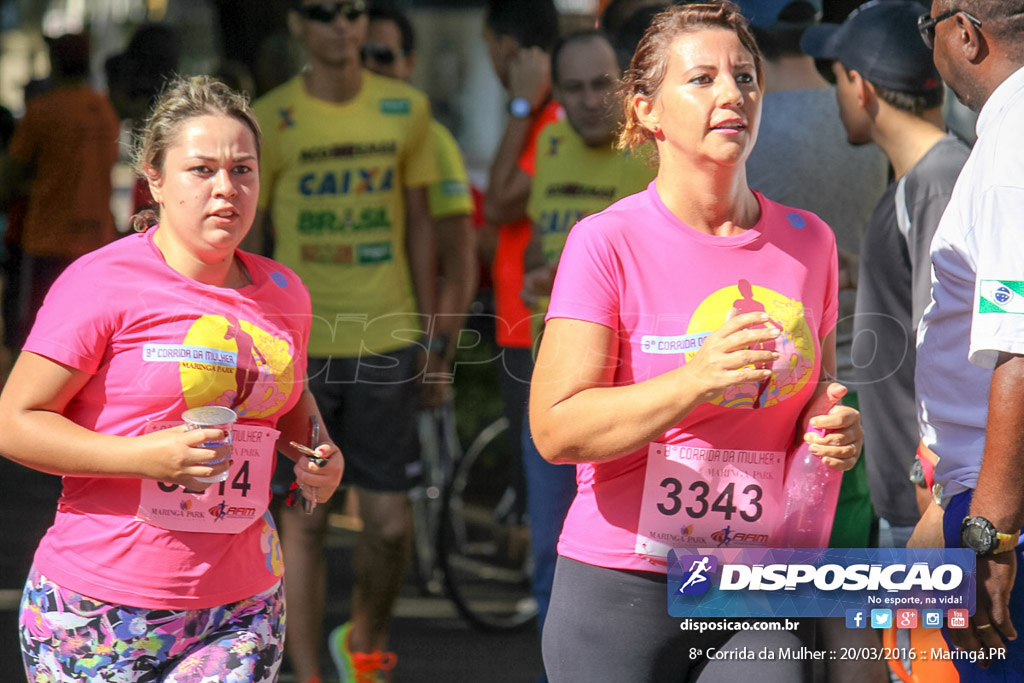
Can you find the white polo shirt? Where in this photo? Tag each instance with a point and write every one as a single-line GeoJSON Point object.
{"type": "Point", "coordinates": [977, 306]}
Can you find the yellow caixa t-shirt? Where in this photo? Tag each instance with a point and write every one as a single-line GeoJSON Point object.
{"type": "Point", "coordinates": [573, 181]}
{"type": "Point", "coordinates": [449, 196]}
{"type": "Point", "coordinates": [333, 178]}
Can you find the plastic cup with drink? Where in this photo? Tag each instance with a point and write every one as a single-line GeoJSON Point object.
{"type": "Point", "coordinates": [212, 417]}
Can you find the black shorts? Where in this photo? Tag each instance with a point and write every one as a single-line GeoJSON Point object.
{"type": "Point", "coordinates": [369, 405]}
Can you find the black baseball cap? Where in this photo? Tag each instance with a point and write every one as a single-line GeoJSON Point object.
{"type": "Point", "coordinates": [769, 14]}
{"type": "Point", "coordinates": [880, 41]}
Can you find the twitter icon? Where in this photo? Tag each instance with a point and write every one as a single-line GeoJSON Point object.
{"type": "Point", "coordinates": [881, 618]}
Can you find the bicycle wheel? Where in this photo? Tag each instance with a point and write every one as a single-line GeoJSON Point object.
{"type": "Point", "coordinates": [484, 541]}
{"type": "Point", "coordinates": [439, 450]}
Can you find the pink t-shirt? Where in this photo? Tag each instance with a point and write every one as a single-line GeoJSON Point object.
{"type": "Point", "coordinates": [155, 344]}
{"type": "Point", "coordinates": [663, 287]}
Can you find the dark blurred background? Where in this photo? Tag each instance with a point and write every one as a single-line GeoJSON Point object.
{"type": "Point", "coordinates": [247, 41]}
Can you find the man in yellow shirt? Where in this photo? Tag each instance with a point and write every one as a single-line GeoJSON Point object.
{"type": "Point", "coordinates": [578, 169]}
{"type": "Point", "coordinates": [578, 172]}
{"type": "Point", "coordinates": [389, 50]}
{"type": "Point", "coordinates": [346, 164]}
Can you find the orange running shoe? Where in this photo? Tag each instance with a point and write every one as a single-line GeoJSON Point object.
{"type": "Point", "coordinates": [358, 667]}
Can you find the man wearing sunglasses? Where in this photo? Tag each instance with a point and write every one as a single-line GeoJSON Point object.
{"type": "Point", "coordinates": [346, 162]}
{"type": "Point", "coordinates": [390, 50]}
{"type": "Point", "coordinates": [970, 353]}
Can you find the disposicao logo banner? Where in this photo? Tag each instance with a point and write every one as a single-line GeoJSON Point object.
{"type": "Point", "coordinates": [808, 582]}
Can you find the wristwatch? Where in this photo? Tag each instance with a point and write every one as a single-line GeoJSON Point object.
{"type": "Point", "coordinates": [980, 535]}
{"type": "Point", "coordinates": [917, 474]}
{"type": "Point", "coordinates": [438, 344]}
{"type": "Point", "coordinates": [519, 108]}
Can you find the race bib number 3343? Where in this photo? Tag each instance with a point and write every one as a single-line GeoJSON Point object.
{"type": "Point", "coordinates": [699, 495]}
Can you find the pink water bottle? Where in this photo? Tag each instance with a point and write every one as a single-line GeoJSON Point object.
{"type": "Point", "coordinates": [811, 492]}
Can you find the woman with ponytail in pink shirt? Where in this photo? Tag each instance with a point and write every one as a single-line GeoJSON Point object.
{"type": "Point", "coordinates": [149, 572]}
{"type": "Point", "coordinates": [689, 344]}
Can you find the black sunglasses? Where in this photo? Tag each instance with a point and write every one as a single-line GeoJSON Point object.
{"type": "Point", "coordinates": [926, 24]}
{"type": "Point", "coordinates": [381, 54]}
{"type": "Point", "coordinates": [327, 12]}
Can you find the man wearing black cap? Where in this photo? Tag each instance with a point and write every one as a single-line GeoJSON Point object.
{"type": "Point", "coordinates": [971, 343]}
{"type": "Point", "coordinates": [889, 93]}
{"type": "Point", "coordinates": [802, 159]}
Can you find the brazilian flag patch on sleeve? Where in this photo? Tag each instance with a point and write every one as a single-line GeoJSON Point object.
{"type": "Point", "coordinates": [1001, 296]}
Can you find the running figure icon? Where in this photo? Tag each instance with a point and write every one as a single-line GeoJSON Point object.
{"type": "Point", "coordinates": [698, 571]}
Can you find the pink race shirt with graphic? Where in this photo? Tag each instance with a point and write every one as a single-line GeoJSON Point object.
{"type": "Point", "coordinates": [155, 344]}
{"type": "Point", "coordinates": [714, 479]}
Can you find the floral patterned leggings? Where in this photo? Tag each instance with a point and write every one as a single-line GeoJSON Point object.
{"type": "Point", "coordinates": [69, 637]}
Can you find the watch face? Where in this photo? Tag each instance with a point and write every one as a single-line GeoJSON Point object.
{"type": "Point", "coordinates": [978, 538]}
{"type": "Point", "coordinates": [917, 473]}
{"type": "Point", "coordinates": [519, 107]}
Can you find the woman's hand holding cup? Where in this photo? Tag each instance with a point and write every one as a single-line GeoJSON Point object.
{"type": "Point", "coordinates": [178, 456]}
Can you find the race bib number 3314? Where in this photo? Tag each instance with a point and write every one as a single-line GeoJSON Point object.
{"type": "Point", "coordinates": [228, 507]}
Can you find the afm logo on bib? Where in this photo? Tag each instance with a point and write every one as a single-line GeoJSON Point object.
{"type": "Point", "coordinates": [697, 579]}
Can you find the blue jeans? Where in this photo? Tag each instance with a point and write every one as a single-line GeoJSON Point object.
{"type": "Point", "coordinates": [549, 492]}
{"type": "Point", "coordinates": [1011, 668]}
{"type": "Point", "coordinates": [890, 536]}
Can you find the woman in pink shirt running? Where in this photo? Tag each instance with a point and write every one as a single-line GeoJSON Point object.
{"type": "Point", "coordinates": [150, 572]}
{"type": "Point", "coordinates": [677, 405]}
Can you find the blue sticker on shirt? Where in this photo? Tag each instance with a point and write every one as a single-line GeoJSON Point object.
{"type": "Point", "coordinates": [279, 279]}
{"type": "Point", "coordinates": [796, 220]}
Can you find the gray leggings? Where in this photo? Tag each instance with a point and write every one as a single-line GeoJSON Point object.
{"type": "Point", "coordinates": [613, 625]}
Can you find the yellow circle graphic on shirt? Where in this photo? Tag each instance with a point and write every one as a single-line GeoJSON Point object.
{"type": "Point", "coordinates": [795, 345]}
{"type": "Point", "coordinates": [241, 366]}
{"type": "Point", "coordinates": [270, 544]}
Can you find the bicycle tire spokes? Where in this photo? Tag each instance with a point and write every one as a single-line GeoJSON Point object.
{"type": "Point", "coordinates": [484, 542]}
{"type": "Point", "coordinates": [437, 453]}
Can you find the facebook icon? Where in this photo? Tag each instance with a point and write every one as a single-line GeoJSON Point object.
{"type": "Point", "coordinates": [856, 618]}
